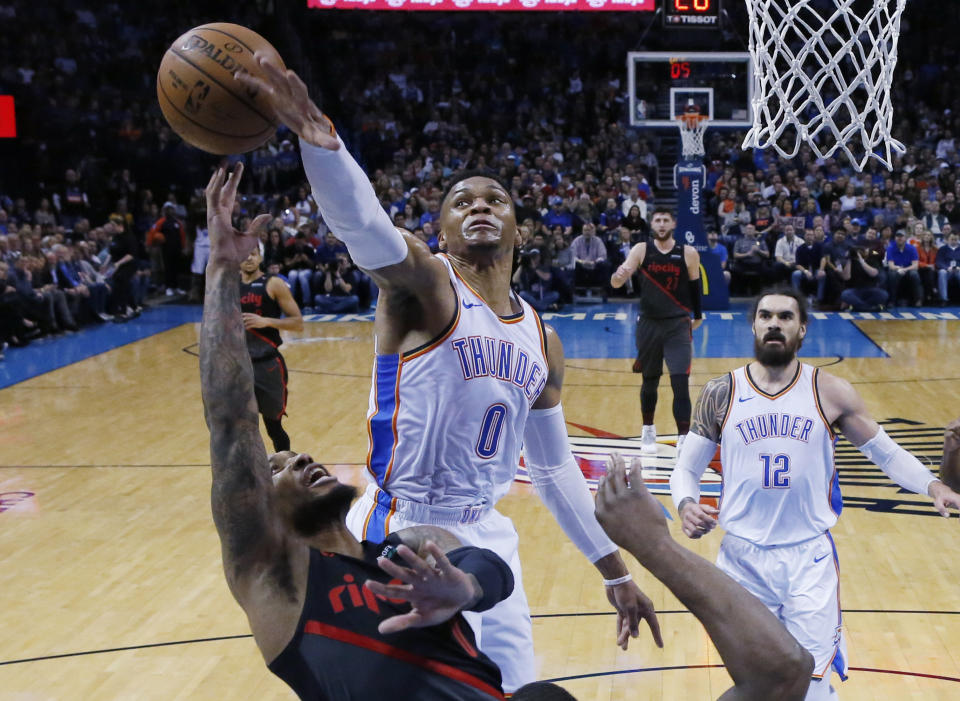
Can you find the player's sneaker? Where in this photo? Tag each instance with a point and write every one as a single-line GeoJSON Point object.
{"type": "Point", "coordinates": [648, 440]}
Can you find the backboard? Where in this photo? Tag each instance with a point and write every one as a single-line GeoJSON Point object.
{"type": "Point", "coordinates": [663, 83]}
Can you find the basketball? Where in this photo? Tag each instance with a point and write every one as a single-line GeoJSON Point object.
{"type": "Point", "coordinates": [199, 97]}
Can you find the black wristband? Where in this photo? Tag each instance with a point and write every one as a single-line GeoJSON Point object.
{"type": "Point", "coordinates": [492, 573]}
{"type": "Point", "coordinates": [696, 298]}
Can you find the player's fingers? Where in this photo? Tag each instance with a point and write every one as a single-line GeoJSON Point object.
{"type": "Point", "coordinates": [442, 563]}
{"type": "Point", "coordinates": [395, 624]}
{"type": "Point", "coordinates": [391, 591]}
{"type": "Point", "coordinates": [273, 73]}
{"type": "Point", "coordinates": [710, 509]}
{"type": "Point", "coordinates": [623, 631]}
{"type": "Point", "coordinates": [417, 563]}
{"type": "Point", "coordinates": [213, 189]}
{"type": "Point", "coordinates": [651, 618]}
{"type": "Point", "coordinates": [404, 574]}
{"type": "Point", "coordinates": [259, 224]}
{"type": "Point", "coordinates": [233, 182]}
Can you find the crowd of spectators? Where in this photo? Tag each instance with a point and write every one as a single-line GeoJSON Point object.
{"type": "Point", "coordinates": [104, 206]}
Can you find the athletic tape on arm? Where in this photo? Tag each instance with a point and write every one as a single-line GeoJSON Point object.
{"type": "Point", "coordinates": [900, 466]}
{"type": "Point", "coordinates": [693, 461]}
{"type": "Point", "coordinates": [560, 483]}
{"type": "Point", "coordinates": [350, 207]}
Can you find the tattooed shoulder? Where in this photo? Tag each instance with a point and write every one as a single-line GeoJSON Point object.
{"type": "Point", "coordinates": [712, 408]}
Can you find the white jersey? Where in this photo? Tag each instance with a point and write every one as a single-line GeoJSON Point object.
{"type": "Point", "coordinates": [780, 484]}
{"type": "Point", "coordinates": [446, 420]}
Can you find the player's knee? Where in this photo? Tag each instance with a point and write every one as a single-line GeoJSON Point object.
{"type": "Point", "coordinates": [792, 676]}
{"type": "Point", "coordinates": [681, 385]}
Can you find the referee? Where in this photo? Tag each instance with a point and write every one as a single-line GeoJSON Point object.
{"type": "Point", "coordinates": [669, 293]}
{"type": "Point", "coordinates": [262, 299]}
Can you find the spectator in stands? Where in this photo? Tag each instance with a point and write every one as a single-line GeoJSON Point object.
{"type": "Point", "coordinates": [339, 289]}
{"type": "Point", "coordinates": [16, 329]}
{"type": "Point", "coordinates": [168, 235]}
{"type": "Point", "coordinates": [44, 280]}
{"type": "Point", "coordinates": [933, 220]}
{"type": "Point", "coordinates": [785, 253]}
{"type": "Point", "coordinates": [590, 255]}
{"type": "Point", "coordinates": [948, 266]}
{"type": "Point", "coordinates": [807, 275]}
{"type": "Point", "coordinates": [902, 264]}
{"type": "Point", "coordinates": [72, 203]}
{"type": "Point", "coordinates": [926, 261]}
{"type": "Point", "coordinates": [835, 264]}
{"type": "Point", "coordinates": [863, 291]}
{"type": "Point", "coordinates": [751, 257]}
{"type": "Point", "coordinates": [635, 223]}
{"type": "Point", "coordinates": [300, 267]}
{"type": "Point", "coordinates": [536, 282]}
{"type": "Point", "coordinates": [720, 251]}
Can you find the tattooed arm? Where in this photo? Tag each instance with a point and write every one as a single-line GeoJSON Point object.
{"type": "Point", "coordinates": [242, 489]}
{"type": "Point", "coordinates": [698, 450]}
{"type": "Point", "coordinates": [712, 408]}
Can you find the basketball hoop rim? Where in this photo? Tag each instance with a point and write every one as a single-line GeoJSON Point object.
{"type": "Point", "coordinates": [691, 121]}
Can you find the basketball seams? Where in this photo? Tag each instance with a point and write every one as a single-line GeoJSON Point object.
{"type": "Point", "coordinates": [181, 113]}
{"type": "Point", "coordinates": [227, 90]}
{"type": "Point", "coordinates": [212, 28]}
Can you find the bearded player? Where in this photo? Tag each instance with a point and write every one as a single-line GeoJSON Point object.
{"type": "Point", "coordinates": [669, 294]}
{"type": "Point", "coordinates": [776, 421]}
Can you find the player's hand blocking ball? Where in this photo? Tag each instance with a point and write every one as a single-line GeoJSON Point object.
{"type": "Point", "coordinates": [201, 100]}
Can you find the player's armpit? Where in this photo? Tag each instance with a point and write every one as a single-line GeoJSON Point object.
{"type": "Point", "coordinates": [711, 409]}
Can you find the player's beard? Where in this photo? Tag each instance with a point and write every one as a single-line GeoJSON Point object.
{"type": "Point", "coordinates": [323, 510]}
{"type": "Point", "coordinates": [776, 356]}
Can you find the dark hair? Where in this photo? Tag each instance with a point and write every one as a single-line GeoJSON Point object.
{"type": "Point", "coordinates": [785, 291]}
{"type": "Point", "coordinates": [542, 691]}
{"type": "Point", "coordinates": [663, 210]}
{"type": "Point", "coordinates": [462, 175]}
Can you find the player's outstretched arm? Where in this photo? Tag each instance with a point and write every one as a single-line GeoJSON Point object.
{"type": "Point", "coordinates": [629, 266]}
{"type": "Point", "coordinates": [699, 519]}
{"type": "Point", "coordinates": [341, 189]}
{"type": "Point", "coordinates": [241, 491]}
{"type": "Point", "coordinates": [846, 407]}
{"type": "Point", "coordinates": [563, 489]}
{"type": "Point", "coordinates": [763, 659]}
{"type": "Point", "coordinates": [950, 464]}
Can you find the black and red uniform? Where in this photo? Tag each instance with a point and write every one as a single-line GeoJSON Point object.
{"type": "Point", "coordinates": [269, 368]}
{"type": "Point", "coordinates": [337, 653]}
{"type": "Point", "coordinates": [663, 326]}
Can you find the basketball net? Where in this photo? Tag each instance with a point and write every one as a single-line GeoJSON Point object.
{"type": "Point", "coordinates": [692, 126]}
{"type": "Point", "coordinates": [824, 79]}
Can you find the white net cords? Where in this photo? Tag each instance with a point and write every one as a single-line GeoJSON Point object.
{"type": "Point", "coordinates": [797, 54]}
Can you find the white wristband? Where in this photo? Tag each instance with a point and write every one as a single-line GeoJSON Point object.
{"type": "Point", "coordinates": [619, 580]}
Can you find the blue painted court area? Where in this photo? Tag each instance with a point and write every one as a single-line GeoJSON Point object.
{"type": "Point", "coordinates": [587, 331]}
{"type": "Point", "coordinates": [607, 331]}
{"type": "Point", "coordinates": [52, 353]}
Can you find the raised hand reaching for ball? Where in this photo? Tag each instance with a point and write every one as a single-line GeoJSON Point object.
{"type": "Point", "coordinates": [228, 245]}
{"type": "Point", "coordinates": [287, 96]}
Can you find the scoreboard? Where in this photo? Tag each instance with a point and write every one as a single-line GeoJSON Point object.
{"type": "Point", "coordinates": [704, 14]}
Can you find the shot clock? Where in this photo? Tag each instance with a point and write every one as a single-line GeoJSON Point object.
{"type": "Point", "coordinates": [703, 14]}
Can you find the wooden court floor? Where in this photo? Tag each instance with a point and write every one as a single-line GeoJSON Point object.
{"type": "Point", "coordinates": [110, 577]}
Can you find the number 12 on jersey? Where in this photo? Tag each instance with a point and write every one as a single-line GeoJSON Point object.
{"type": "Point", "coordinates": [776, 471]}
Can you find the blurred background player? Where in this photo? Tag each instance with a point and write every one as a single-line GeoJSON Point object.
{"type": "Point", "coordinates": [453, 343]}
{"type": "Point", "coordinates": [774, 420]}
{"type": "Point", "coordinates": [268, 307]}
{"type": "Point", "coordinates": [669, 293]}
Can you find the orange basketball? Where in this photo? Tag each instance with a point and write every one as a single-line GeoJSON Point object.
{"type": "Point", "coordinates": [199, 97]}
